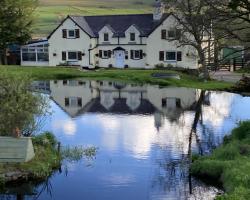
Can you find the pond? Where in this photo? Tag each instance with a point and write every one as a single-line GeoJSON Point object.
{"type": "Point", "coordinates": [144, 135]}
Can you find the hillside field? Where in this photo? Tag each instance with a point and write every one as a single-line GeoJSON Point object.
{"type": "Point", "coordinates": [50, 12]}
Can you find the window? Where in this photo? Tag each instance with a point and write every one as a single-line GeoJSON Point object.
{"type": "Point", "coordinates": [171, 103]}
{"type": "Point", "coordinates": [105, 54]}
{"type": "Point", "coordinates": [132, 37]}
{"type": "Point", "coordinates": [72, 55]}
{"type": "Point", "coordinates": [72, 83]}
{"type": "Point", "coordinates": [171, 56]}
{"type": "Point", "coordinates": [106, 37]}
{"type": "Point", "coordinates": [126, 55]}
{"type": "Point", "coordinates": [29, 56]}
{"type": "Point", "coordinates": [171, 34]}
{"type": "Point", "coordinates": [37, 53]}
{"type": "Point", "coordinates": [136, 54]}
{"type": "Point", "coordinates": [65, 82]}
{"type": "Point", "coordinates": [73, 102]}
{"type": "Point", "coordinates": [163, 34]}
{"type": "Point", "coordinates": [174, 34]}
{"type": "Point", "coordinates": [81, 82]}
{"type": "Point", "coordinates": [71, 34]}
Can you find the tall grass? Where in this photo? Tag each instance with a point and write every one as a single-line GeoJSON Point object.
{"type": "Point", "coordinates": [229, 164]}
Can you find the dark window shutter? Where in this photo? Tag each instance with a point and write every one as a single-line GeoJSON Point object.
{"type": "Point", "coordinates": [178, 33]}
{"type": "Point", "coordinates": [79, 55]}
{"type": "Point", "coordinates": [163, 34]}
{"type": "Point", "coordinates": [109, 53]}
{"type": "Point", "coordinates": [161, 55]}
{"type": "Point", "coordinates": [131, 54]}
{"type": "Point", "coordinates": [66, 101]}
{"type": "Point", "coordinates": [141, 54]}
{"type": "Point", "coordinates": [79, 102]}
{"type": "Point", "coordinates": [77, 33]}
{"type": "Point", "coordinates": [64, 55]}
{"type": "Point", "coordinates": [100, 53]}
{"type": "Point", "coordinates": [64, 33]}
{"type": "Point", "coordinates": [179, 56]}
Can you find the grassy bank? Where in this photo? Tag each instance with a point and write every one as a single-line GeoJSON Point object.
{"type": "Point", "coordinates": [229, 164]}
{"type": "Point", "coordinates": [46, 160]}
{"type": "Point", "coordinates": [129, 75]}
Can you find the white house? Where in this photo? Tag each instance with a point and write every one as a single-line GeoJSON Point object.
{"type": "Point", "coordinates": [121, 41]}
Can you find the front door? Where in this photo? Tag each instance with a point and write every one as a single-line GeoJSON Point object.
{"type": "Point", "coordinates": [119, 59]}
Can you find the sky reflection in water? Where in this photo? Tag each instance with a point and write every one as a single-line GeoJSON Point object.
{"type": "Point", "coordinates": [142, 133]}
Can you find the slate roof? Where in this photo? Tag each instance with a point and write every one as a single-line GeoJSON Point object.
{"type": "Point", "coordinates": [117, 23]}
{"type": "Point", "coordinates": [119, 107]}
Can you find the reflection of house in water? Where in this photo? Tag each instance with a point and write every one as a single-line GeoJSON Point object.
{"type": "Point", "coordinates": [41, 86]}
{"type": "Point", "coordinates": [80, 96]}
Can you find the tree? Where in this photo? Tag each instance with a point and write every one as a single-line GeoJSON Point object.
{"type": "Point", "coordinates": [242, 8]}
{"type": "Point", "coordinates": [233, 18]}
{"type": "Point", "coordinates": [195, 21]}
{"type": "Point", "coordinates": [19, 107]}
{"type": "Point", "coordinates": [15, 23]}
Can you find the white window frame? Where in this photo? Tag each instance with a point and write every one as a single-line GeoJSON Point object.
{"type": "Point", "coordinates": [36, 49]}
{"type": "Point", "coordinates": [103, 54]}
{"type": "Point", "coordinates": [136, 58]}
{"type": "Point", "coordinates": [104, 37]}
{"type": "Point", "coordinates": [72, 52]}
{"type": "Point", "coordinates": [171, 52]}
{"type": "Point", "coordinates": [173, 32]}
{"type": "Point", "coordinates": [73, 102]}
{"type": "Point", "coordinates": [71, 37]}
{"type": "Point", "coordinates": [130, 37]}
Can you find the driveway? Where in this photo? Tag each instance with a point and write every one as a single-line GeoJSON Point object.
{"type": "Point", "coordinates": [226, 76]}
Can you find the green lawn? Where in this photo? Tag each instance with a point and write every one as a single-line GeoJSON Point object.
{"type": "Point", "coordinates": [128, 75]}
{"type": "Point", "coordinates": [51, 12]}
{"type": "Point", "coordinates": [229, 164]}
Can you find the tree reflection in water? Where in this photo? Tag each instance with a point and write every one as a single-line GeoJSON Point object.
{"type": "Point", "coordinates": [174, 174]}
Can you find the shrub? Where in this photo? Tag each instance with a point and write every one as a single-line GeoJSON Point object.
{"type": "Point", "coordinates": [243, 85]}
{"type": "Point", "coordinates": [45, 139]}
{"type": "Point", "coordinates": [159, 66]}
{"type": "Point", "coordinates": [242, 132]}
{"type": "Point", "coordinates": [207, 168]}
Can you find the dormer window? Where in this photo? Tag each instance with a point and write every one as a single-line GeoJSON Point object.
{"type": "Point", "coordinates": [132, 37]}
{"type": "Point", "coordinates": [174, 34]}
{"type": "Point", "coordinates": [106, 37]}
{"type": "Point", "coordinates": [71, 33]}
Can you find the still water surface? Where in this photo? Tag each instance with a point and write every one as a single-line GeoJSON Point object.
{"type": "Point", "coordinates": [143, 134]}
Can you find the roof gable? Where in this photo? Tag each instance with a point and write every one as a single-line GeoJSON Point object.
{"type": "Point", "coordinates": [133, 28]}
{"type": "Point", "coordinates": [118, 24]}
